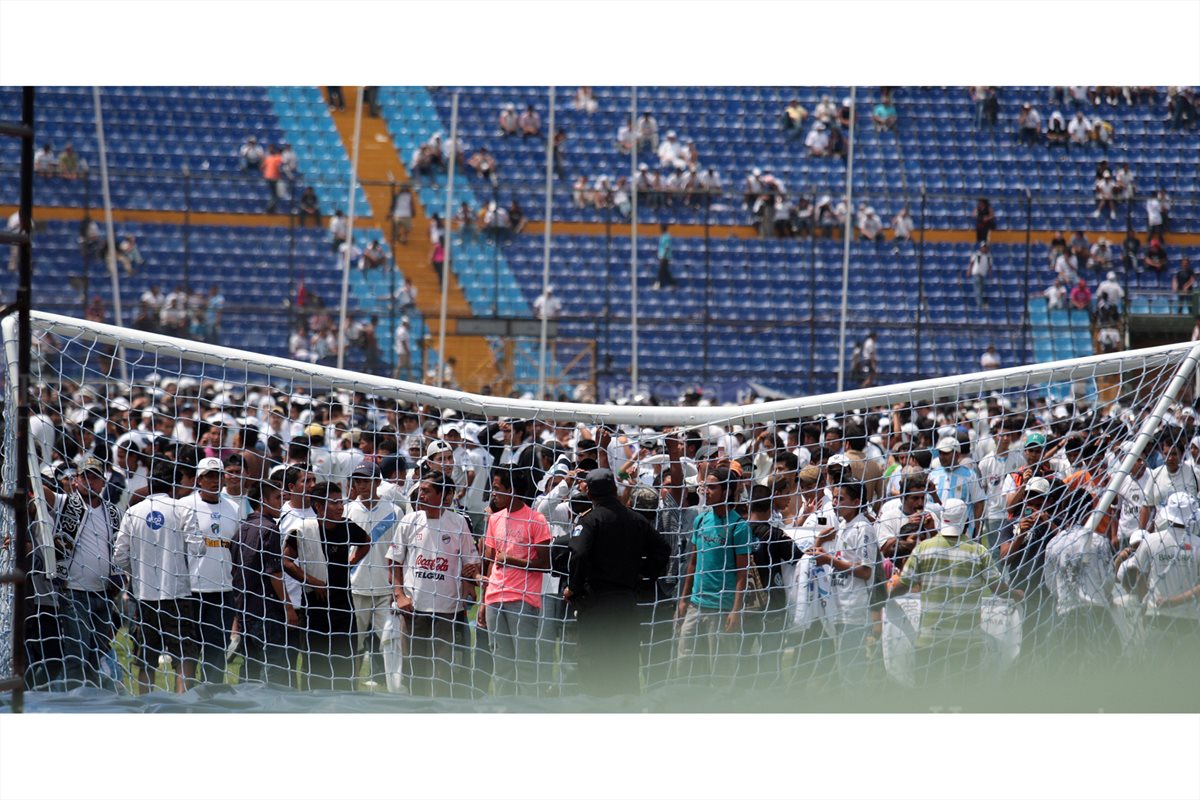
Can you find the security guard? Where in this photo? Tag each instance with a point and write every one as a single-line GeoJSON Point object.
{"type": "Point", "coordinates": [611, 548]}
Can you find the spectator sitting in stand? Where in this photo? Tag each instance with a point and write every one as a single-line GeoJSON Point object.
{"type": "Point", "coordinates": [585, 101]}
{"type": "Point", "coordinates": [1079, 130]}
{"type": "Point", "coordinates": [817, 141]}
{"type": "Point", "coordinates": [581, 193]}
{"type": "Point", "coordinates": [68, 163]}
{"type": "Point", "coordinates": [484, 164]}
{"type": "Point", "coordinates": [309, 207]}
{"type": "Point", "coordinates": [516, 217]}
{"type": "Point", "coordinates": [44, 161]}
{"type": "Point", "coordinates": [1081, 295]}
{"type": "Point", "coordinates": [647, 132]}
{"type": "Point", "coordinates": [250, 156]}
{"type": "Point", "coordinates": [1056, 294]}
{"type": "Point", "coordinates": [826, 109]}
{"type": "Point", "coordinates": [870, 226]}
{"type": "Point", "coordinates": [1110, 291]}
{"type": "Point", "coordinates": [508, 119]}
{"type": "Point", "coordinates": [620, 197]}
{"type": "Point", "coordinates": [339, 229]}
{"type": "Point", "coordinates": [884, 116]}
{"type": "Point", "coordinates": [1081, 249]}
{"type": "Point", "coordinates": [466, 219]}
{"type": "Point", "coordinates": [547, 305]}
{"type": "Point", "coordinates": [844, 113]}
{"type": "Point", "coordinates": [1156, 255]}
{"type": "Point", "coordinates": [374, 256]}
{"type": "Point", "coordinates": [1056, 131]}
{"type": "Point", "coordinates": [1029, 125]}
{"type": "Point", "coordinates": [1101, 133]}
{"type": "Point", "coordinates": [496, 220]}
{"type": "Point", "coordinates": [1101, 255]}
{"type": "Point", "coordinates": [1131, 249]}
{"type": "Point", "coordinates": [793, 119]}
{"type": "Point", "coordinates": [1058, 246]}
{"type": "Point", "coordinates": [128, 253]}
{"type": "Point", "coordinates": [1106, 190]}
{"type": "Point", "coordinates": [402, 214]}
{"type": "Point", "coordinates": [1066, 267]}
{"type": "Point", "coordinates": [902, 228]}
{"type": "Point", "coordinates": [625, 138]}
{"type": "Point", "coordinates": [601, 194]}
{"type": "Point", "coordinates": [529, 122]}
{"type": "Point", "coordinates": [670, 152]}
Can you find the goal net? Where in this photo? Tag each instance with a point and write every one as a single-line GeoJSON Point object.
{"type": "Point", "coordinates": [208, 515]}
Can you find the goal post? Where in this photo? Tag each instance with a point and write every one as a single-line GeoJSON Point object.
{"type": "Point", "coordinates": [829, 553]}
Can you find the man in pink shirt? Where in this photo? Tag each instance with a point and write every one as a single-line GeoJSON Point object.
{"type": "Point", "coordinates": [516, 552]}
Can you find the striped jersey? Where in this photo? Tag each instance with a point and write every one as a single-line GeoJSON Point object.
{"type": "Point", "coordinates": [954, 575]}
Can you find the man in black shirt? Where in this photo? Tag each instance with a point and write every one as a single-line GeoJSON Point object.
{"type": "Point", "coordinates": [262, 603]}
{"type": "Point", "coordinates": [323, 551]}
{"type": "Point", "coordinates": [611, 548]}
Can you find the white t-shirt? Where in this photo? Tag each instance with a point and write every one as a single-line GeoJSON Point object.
{"type": "Point", "coordinates": [1130, 499]}
{"type": "Point", "coordinates": [209, 561]}
{"type": "Point", "coordinates": [152, 547]}
{"type": "Point", "coordinates": [291, 519]}
{"type": "Point", "coordinates": [1168, 560]}
{"type": "Point", "coordinates": [1162, 484]}
{"type": "Point", "coordinates": [433, 552]}
{"type": "Point", "coordinates": [981, 264]}
{"type": "Point", "coordinates": [855, 541]}
{"type": "Point", "coordinates": [993, 471]}
{"type": "Point", "coordinates": [902, 226]}
{"type": "Point", "coordinates": [370, 576]}
{"type": "Point", "coordinates": [90, 563]}
{"type": "Point", "coordinates": [1153, 211]}
{"type": "Point", "coordinates": [1078, 570]}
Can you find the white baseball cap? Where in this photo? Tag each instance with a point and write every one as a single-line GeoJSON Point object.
{"type": "Point", "coordinates": [207, 465]}
{"type": "Point", "coordinates": [1180, 508]}
{"type": "Point", "coordinates": [839, 460]}
{"type": "Point", "coordinates": [435, 447]}
{"type": "Point", "coordinates": [954, 517]}
{"type": "Point", "coordinates": [947, 444]}
{"type": "Point", "coordinates": [1037, 486]}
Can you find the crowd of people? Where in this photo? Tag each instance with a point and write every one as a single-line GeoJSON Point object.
{"type": "Point", "coordinates": [351, 542]}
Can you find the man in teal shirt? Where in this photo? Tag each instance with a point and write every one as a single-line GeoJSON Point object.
{"type": "Point", "coordinates": [714, 584]}
{"type": "Point", "coordinates": [665, 279]}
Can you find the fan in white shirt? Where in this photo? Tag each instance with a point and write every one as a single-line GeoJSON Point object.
{"type": "Point", "coordinates": [1166, 563]}
{"type": "Point", "coordinates": [1165, 480]}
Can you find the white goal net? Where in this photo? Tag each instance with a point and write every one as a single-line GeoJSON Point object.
{"type": "Point", "coordinates": [210, 516]}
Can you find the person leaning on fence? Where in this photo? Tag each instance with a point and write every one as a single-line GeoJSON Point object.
{"type": "Point", "coordinates": [952, 574]}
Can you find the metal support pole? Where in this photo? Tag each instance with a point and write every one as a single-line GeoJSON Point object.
{"type": "Point", "coordinates": [707, 284]}
{"type": "Point", "coordinates": [24, 297]}
{"type": "Point", "coordinates": [812, 296]}
{"type": "Point", "coordinates": [87, 266]}
{"type": "Point", "coordinates": [633, 233]}
{"type": "Point", "coordinates": [847, 229]}
{"type": "Point", "coordinates": [1027, 337]}
{"type": "Point", "coordinates": [448, 236]}
{"type": "Point", "coordinates": [341, 334]}
{"type": "Point", "coordinates": [546, 248]}
{"type": "Point", "coordinates": [111, 238]}
{"type": "Point", "coordinates": [392, 291]}
{"type": "Point", "coordinates": [921, 282]}
{"type": "Point", "coordinates": [187, 229]}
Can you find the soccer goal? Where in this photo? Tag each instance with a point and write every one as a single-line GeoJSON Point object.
{"type": "Point", "coordinates": [209, 515]}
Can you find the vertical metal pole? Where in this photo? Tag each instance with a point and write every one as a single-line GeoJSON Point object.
{"type": "Point", "coordinates": [392, 289]}
{"type": "Point", "coordinates": [447, 237]}
{"type": "Point", "coordinates": [707, 284]}
{"type": "Point", "coordinates": [1027, 338]}
{"type": "Point", "coordinates": [921, 282]}
{"type": "Point", "coordinates": [341, 334]}
{"type": "Point", "coordinates": [25, 345]}
{"type": "Point", "coordinates": [294, 312]}
{"type": "Point", "coordinates": [108, 223]}
{"type": "Point", "coordinates": [546, 248]}
{"type": "Point", "coordinates": [608, 211]}
{"type": "Point", "coordinates": [633, 232]}
{"type": "Point", "coordinates": [111, 238]}
{"type": "Point", "coordinates": [847, 229]}
{"type": "Point", "coordinates": [812, 297]}
{"type": "Point", "coordinates": [87, 266]}
{"type": "Point", "coordinates": [187, 228]}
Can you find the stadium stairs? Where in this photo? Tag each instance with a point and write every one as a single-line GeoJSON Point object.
{"type": "Point", "coordinates": [380, 163]}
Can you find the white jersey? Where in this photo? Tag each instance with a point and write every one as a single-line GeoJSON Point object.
{"type": "Point", "coordinates": [1167, 559]}
{"type": "Point", "coordinates": [370, 576]}
{"type": "Point", "coordinates": [856, 542]}
{"type": "Point", "coordinates": [993, 470]}
{"type": "Point", "coordinates": [90, 561]}
{"type": "Point", "coordinates": [1130, 501]}
{"type": "Point", "coordinates": [1163, 484]}
{"type": "Point", "coordinates": [1078, 570]}
{"type": "Point", "coordinates": [209, 557]}
{"type": "Point", "coordinates": [433, 553]}
{"type": "Point", "coordinates": [291, 519]}
{"type": "Point", "coordinates": [152, 547]}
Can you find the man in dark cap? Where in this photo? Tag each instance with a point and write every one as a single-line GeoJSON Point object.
{"type": "Point", "coordinates": [611, 548]}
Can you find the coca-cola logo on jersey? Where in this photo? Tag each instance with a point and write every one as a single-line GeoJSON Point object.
{"type": "Point", "coordinates": [438, 564]}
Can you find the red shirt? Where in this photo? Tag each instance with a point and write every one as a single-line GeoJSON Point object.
{"type": "Point", "coordinates": [515, 533]}
{"type": "Point", "coordinates": [271, 167]}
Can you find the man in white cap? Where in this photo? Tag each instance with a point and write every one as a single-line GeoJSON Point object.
{"type": "Point", "coordinates": [1172, 476]}
{"type": "Point", "coordinates": [211, 566]}
{"type": "Point", "coordinates": [1109, 290]}
{"type": "Point", "coordinates": [1165, 570]}
{"type": "Point", "coordinates": [952, 574]}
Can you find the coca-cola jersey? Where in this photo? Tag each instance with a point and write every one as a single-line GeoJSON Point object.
{"type": "Point", "coordinates": [433, 553]}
